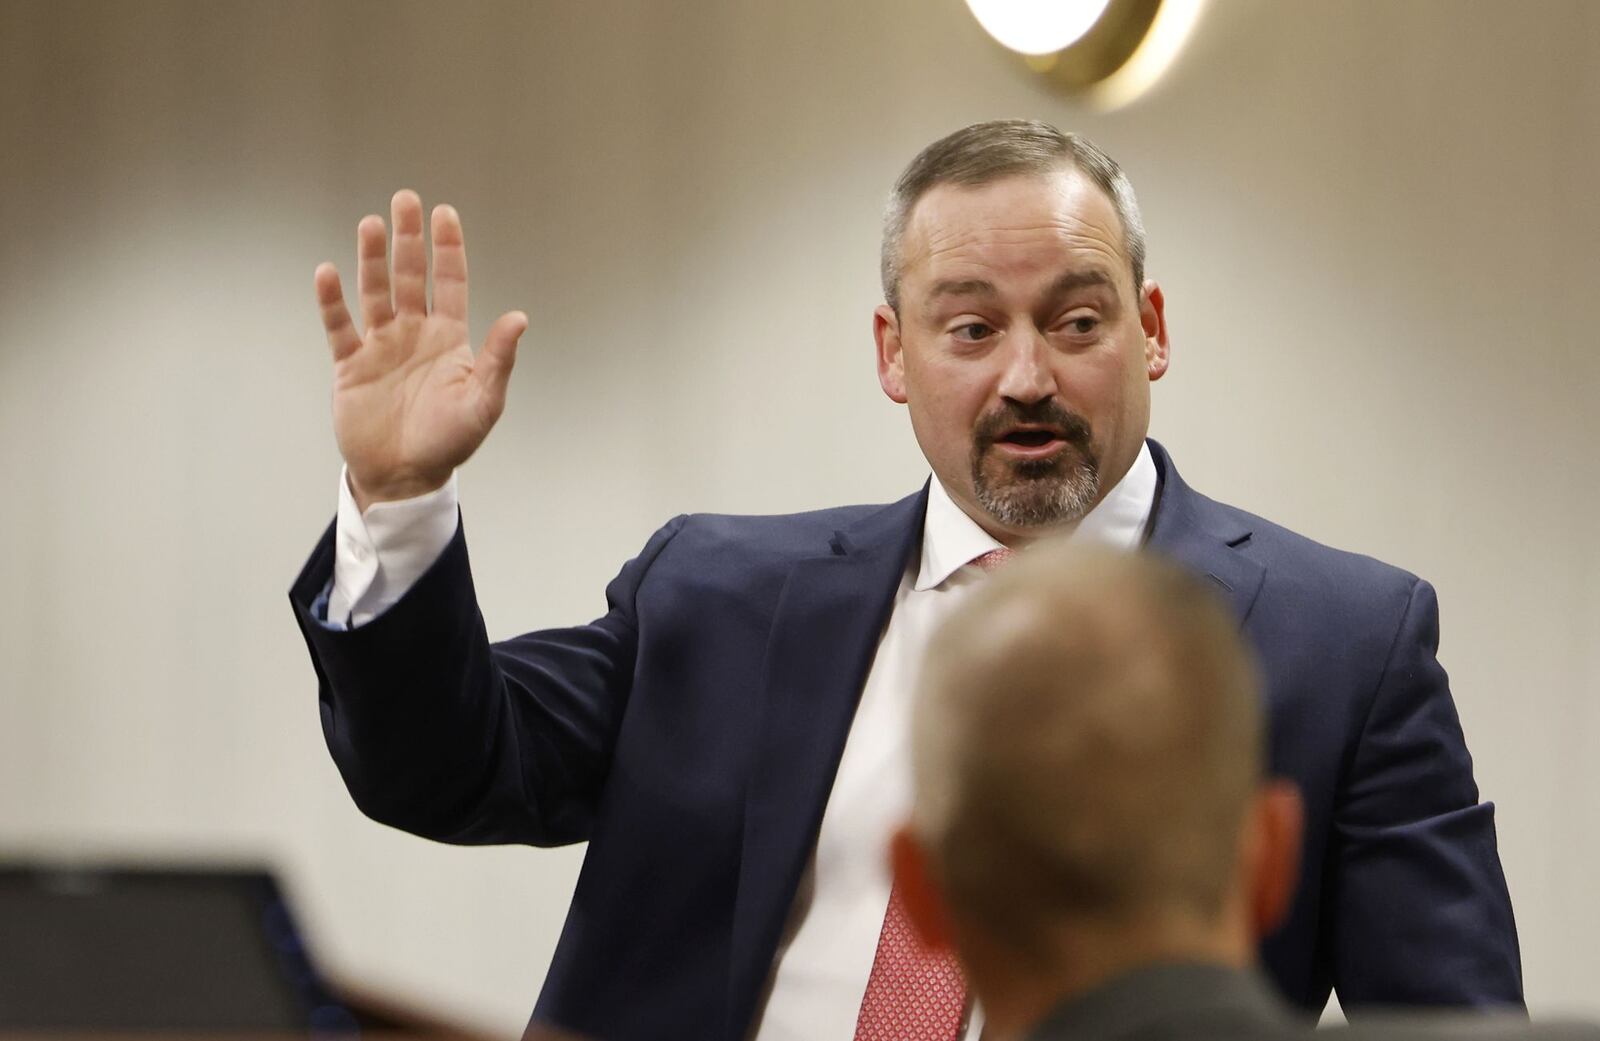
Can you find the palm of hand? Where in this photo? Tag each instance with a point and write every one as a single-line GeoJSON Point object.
{"type": "Point", "coordinates": [406, 408]}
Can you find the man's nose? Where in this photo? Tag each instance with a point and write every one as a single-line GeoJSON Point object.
{"type": "Point", "coordinates": [1027, 376]}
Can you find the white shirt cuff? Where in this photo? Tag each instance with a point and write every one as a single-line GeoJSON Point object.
{"type": "Point", "coordinates": [378, 556]}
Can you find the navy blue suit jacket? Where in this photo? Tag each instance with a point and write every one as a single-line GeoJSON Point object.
{"type": "Point", "coordinates": [691, 736]}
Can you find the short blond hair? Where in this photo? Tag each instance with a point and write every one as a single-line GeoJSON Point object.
{"type": "Point", "coordinates": [1086, 741]}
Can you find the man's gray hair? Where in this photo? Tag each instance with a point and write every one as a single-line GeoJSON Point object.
{"type": "Point", "coordinates": [987, 152]}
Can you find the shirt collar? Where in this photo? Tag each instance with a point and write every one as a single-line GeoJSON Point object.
{"type": "Point", "coordinates": [1174, 999]}
{"type": "Point", "coordinates": [951, 539]}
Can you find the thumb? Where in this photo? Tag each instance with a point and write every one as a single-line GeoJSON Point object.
{"type": "Point", "coordinates": [499, 354]}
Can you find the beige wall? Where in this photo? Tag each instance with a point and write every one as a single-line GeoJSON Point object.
{"type": "Point", "coordinates": [1374, 222]}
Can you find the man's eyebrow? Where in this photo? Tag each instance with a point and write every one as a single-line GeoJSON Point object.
{"type": "Point", "coordinates": [1066, 283]}
{"type": "Point", "coordinates": [961, 287]}
{"type": "Point", "coordinates": [955, 287]}
{"type": "Point", "coordinates": [1080, 280]}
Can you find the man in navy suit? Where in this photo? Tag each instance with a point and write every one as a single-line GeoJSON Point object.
{"type": "Point", "coordinates": [730, 738]}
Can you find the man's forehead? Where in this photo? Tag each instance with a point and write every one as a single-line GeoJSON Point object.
{"type": "Point", "coordinates": [1023, 218]}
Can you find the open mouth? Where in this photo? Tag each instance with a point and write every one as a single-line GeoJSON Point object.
{"type": "Point", "coordinates": [1030, 438]}
{"type": "Point", "coordinates": [1031, 442]}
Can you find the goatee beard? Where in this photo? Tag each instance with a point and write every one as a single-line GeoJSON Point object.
{"type": "Point", "coordinates": [1043, 492]}
{"type": "Point", "coordinates": [1035, 502]}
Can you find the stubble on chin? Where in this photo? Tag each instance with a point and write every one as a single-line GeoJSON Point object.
{"type": "Point", "coordinates": [1036, 493]}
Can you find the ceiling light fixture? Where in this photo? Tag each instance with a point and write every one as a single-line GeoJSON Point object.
{"type": "Point", "coordinates": [1035, 28]}
{"type": "Point", "coordinates": [1107, 51]}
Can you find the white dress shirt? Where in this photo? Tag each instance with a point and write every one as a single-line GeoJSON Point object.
{"type": "Point", "coordinates": [820, 970]}
{"type": "Point", "coordinates": [380, 554]}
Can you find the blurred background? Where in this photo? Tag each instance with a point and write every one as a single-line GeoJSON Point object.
{"type": "Point", "coordinates": [1375, 222]}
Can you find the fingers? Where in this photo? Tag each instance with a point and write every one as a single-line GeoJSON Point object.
{"type": "Point", "coordinates": [410, 255]}
{"type": "Point", "coordinates": [449, 264]}
{"type": "Point", "coordinates": [372, 272]}
{"type": "Point", "coordinates": [493, 365]}
{"type": "Point", "coordinates": [342, 335]}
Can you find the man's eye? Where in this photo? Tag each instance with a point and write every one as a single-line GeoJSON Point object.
{"type": "Point", "coordinates": [972, 331]}
{"type": "Point", "coordinates": [1083, 324]}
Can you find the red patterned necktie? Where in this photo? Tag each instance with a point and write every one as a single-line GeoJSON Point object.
{"type": "Point", "coordinates": [914, 994]}
{"type": "Point", "coordinates": [994, 558]}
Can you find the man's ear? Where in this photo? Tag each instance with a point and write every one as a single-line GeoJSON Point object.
{"type": "Point", "coordinates": [891, 355]}
{"type": "Point", "coordinates": [914, 885]}
{"type": "Point", "coordinates": [1153, 319]}
{"type": "Point", "coordinates": [1277, 825]}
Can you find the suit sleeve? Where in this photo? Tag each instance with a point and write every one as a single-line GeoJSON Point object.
{"type": "Point", "coordinates": [1421, 913]}
{"type": "Point", "coordinates": [437, 732]}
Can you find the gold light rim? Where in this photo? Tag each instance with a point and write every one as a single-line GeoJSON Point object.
{"type": "Point", "coordinates": [1122, 55]}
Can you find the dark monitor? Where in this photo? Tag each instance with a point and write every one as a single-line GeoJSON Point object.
{"type": "Point", "coordinates": [155, 949]}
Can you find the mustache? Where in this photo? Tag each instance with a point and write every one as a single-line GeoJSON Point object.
{"type": "Point", "coordinates": [1072, 427]}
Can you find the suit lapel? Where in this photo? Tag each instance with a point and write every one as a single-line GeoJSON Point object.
{"type": "Point", "coordinates": [825, 632]}
{"type": "Point", "coordinates": [1194, 531]}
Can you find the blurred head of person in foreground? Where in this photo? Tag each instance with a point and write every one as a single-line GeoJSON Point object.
{"type": "Point", "coordinates": [1090, 796]}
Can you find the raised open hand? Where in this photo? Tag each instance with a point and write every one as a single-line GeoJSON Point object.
{"type": "Point", "coordinates": [410, 401]}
